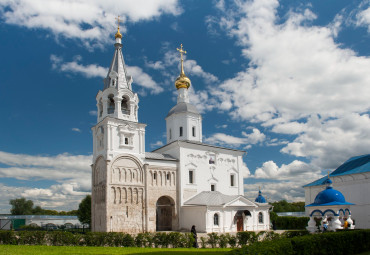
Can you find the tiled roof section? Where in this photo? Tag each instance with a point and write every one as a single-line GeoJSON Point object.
{"type": "Point", "coordinates": [183, 107]}
{"type": "Point", "coordinates": [355, 165]}
{"type": "Point", "coordinates": [159, 156]}
{"type": "Point", "coordinates": [214, 198]}
{"type": "Point", "coordinates": [202, 144]}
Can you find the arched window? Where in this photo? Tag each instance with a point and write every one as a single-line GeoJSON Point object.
{"type": "Point", "coordinates": [260, 217]}
{"type": "Point", "coordinates": [215, 219]}
{"type": "Point", "coordinates": [193, 131]}
{"type": "Point", "coordinates": [180, 131]}
{"type": "Point", "coordinates": [155, 176]}
{"type": "Point", "coordinates": [111, 105]}
{"type": "Point", "coordinates": [124, 106]}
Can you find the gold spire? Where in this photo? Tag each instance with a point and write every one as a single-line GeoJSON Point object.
{"type": "Point", "coordinates": [182, 81]}
{"type": "Point", "coordinates": [118, 34]}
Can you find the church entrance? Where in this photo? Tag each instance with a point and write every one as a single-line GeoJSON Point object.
{"type": "Point", "coordinates": [239, 218]}
{"type": "Point", "coordinates": [164, 214]}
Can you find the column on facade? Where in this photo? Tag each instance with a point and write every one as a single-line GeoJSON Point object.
{"type": "Point", "coordinates": [117, 110]}
{"type": "Point", "coordinates": [105, 106]}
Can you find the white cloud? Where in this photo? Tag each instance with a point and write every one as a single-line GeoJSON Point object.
{"type": "Point", "coordinates": [91, 21]}
{"type": "Point", "coordinates": [71, 173]}
{"type": "Point", "coordinates": [76, 130]}
{"type": "Point", "coordinates": [91, 71]}
{"type": "Point", "coordinates": [363, 18]}
{"type": "Point", "coordinates": [297, 71]}
{"type": "Point", "coordinates": [156, 144]}
{"type": "Point", "coordinates": [93, 113]}
{"type": "Point", "coordinates": [248, 139]}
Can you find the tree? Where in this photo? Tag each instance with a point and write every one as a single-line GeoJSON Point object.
{"type": "Point", "coordinates": [84, 210]}
{"type": "Point", "coordinates": [284, 206]}
{"type": "Point", "coordinates": [21, 206]}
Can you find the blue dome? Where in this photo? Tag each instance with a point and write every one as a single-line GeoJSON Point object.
{"type": "Point", "coordinates": [329, 195]}
{"type": "Point", "coordinates": [260, 198]}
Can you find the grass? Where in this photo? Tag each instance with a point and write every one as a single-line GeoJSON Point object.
{"type": "Point", "coordinates": [41, 250]}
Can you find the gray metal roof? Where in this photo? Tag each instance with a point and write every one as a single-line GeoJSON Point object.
{"type": "Point", "coordinates": [214, 198]}
{"type": "Point", "coordinates": [154, 155]}
{"type": "Point", "coordinates": [183, 107]}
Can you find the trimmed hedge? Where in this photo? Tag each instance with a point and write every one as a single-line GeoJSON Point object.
{"type": "Point", "coordinates": [338, 243]}
{"type": "Point", "coordinates": [290, 222]}
{"type": "Point", "coordinates": [112, 239]}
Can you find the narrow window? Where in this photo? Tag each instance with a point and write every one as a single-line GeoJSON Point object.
{"type": "Point", "coordinates": [155, 176]}
{"type": "Point", "coordinates": [191, 176]}
{"type": "Point", "coordinates": [193, 129]}
{"type": "Point", "coordinates": [212, 187]}
{"type": "Point", "coordinates": [170, 134]}
{"type": "Point", "coordinates": [180, 131]}
{"type": "Point", "coordinates": [232, 184]}
{"type": "Point", "coordinates": [168, 176]}
{"type": "Point", "coordinates": [126, 140]}
{"type": "Point", "coordinates": [111, 105]}
{"type": "Point", "coordinates": [126, 211]}
{"type": "Point", "coordinates": [260, 217]}
{"type": "Point", "coordinates": [215, 219]}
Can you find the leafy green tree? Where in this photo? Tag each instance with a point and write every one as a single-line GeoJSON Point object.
{"type": "Point", "coordinates": [21, 206]}
{"type": "Point", "coordinates": [284, 206]}
{"type": "Point", "coordinates": [84, 210]}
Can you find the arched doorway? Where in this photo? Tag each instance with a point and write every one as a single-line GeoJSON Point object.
{"type": "Point", "coordinates": [239, 218]}
{"type": "Point", "coordinates": [164, 209]}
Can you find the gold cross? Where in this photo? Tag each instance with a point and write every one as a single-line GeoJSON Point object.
{"type": "Point", "coordinates": [118, 21]}
{"type": "Point", "coordinates": [181, 51]}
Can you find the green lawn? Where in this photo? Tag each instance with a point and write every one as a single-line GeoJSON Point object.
{"type": "Point", "coordinates": [41, 250]}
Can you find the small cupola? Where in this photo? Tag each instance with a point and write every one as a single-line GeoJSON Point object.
{"type": "Point", "coordinates": [260, 198]}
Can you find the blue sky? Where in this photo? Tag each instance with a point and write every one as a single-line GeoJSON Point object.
{"type": "Point", "coordinates": [288, 81]}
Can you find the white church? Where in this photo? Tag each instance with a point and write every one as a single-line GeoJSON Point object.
{"type": "Point", "coordinates": [183, 183]}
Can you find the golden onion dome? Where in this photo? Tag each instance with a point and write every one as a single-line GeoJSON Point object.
{"type": "Point", "coordinates": [118, 34]}
{"type": "Point", "coordinates": [182, 81]}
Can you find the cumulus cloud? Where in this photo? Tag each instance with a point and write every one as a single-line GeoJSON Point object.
{"type": "Point", "coordinates": [89, 21]}
{"type": "Point", "coordinates": [247, 139]}
{"type": "Point", "coordinates": [363, 18]}
{"type": "Point", "coordinates": [69, 177]}
{"type": "Point", "coordinates": [91, 71]}
{"type": "Point", "coordinates": [296, 72]}
{"type": "Point", "coordinates": [156, 144]}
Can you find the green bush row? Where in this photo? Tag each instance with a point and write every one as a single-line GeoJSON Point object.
{"type": "Point", "coordinates": [344, 242]}
{"type": "Point", "coordinates": [290, 222]}
{"type": "Point", "coordinates": [59, 238]}
{"type": "Point", "coordinates": [245, 238]}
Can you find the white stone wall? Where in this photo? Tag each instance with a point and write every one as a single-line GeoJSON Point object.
{"type": "Point", "coordinates": [355, 188]}
{"type": "Point", "coordinates": [187, 121]}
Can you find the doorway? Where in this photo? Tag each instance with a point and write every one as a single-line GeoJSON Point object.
{"type": "Point", "coordinates": [164, 209]}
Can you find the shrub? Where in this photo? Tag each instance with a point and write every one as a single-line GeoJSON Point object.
{"type": "Point", "coordinates": [160, 240]}
{"type": "Point", "coordinates": [223, 240]}
{"type": "Point", "coordinates": [232, 240]}
{"type": "Point", "coordinates": [176, 239]}
{"type": "Point", "coordinates": [293, 233]}
{"type": "Point", "coordinates": [271, 235]}
{"type": "Point", "coordinates": [290, 222]}
{"type": "Point", "coordinates": [7, 237]}
{"type": "Point", "coordinates": [339, 243]}
{"type": "Point", "coordinates": [213, 239]}
{"type": "Point", "coordinates": [58, 238]}
{"type": "Point", "coordinates": [246, 237]}
{"type": "Point", "coordinates": [32, 237]}
{"type": "Point", "coordinates": [203, 241]}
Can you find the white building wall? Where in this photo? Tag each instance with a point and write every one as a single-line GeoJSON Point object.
{"type": "Point", "coordinates": [195, 215]}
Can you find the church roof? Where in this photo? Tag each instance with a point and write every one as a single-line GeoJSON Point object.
{"type": "Point", "coordinates": [211, 198]}
{"type": "Point", "coordinates": [260, 198]}
{"type": "Point", "coordinates": [160, 156]}
{"type": "Point", "coordinates": [183, 107]}
{"type": "Point", "coordinates": [199, 143]}
{"type": "Point", "coordinates": [354, 165]}
{"type": "Point", "coordinates": [329, 196]}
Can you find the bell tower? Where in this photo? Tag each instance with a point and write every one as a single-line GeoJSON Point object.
{"type": "Point", "coordinates": [183, 121]}
{"type": "Point", "coordinates": [118, 192]}
{"type": "Point", "coordinates": [117, 129]}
